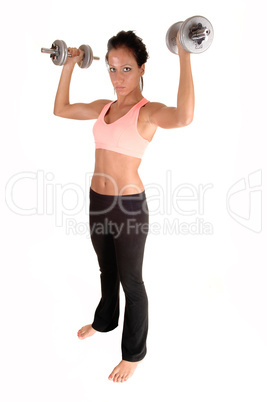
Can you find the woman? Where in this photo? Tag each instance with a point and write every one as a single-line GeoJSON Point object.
{"type": "Point", "coordinates": [118, 205]}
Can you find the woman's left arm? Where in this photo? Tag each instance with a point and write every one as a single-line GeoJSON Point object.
{"type": "Point", "coordinates": [182, 115]}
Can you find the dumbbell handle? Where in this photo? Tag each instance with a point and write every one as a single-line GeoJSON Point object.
{"type": "Point", "coordinates": [55, 52]}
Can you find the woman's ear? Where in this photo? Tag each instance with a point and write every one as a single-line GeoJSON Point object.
{"type": "Point", "coordinates": [143, 69]}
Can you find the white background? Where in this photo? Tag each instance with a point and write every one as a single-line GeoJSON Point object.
{"type": "Point", "coordinates": [207, 292]}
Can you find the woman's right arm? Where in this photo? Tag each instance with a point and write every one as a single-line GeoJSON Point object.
{"type": "Point", "coordinates": [62, 106]}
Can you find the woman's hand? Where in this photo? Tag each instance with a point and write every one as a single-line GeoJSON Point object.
{"type": "Point", "coordinates": [77, 55]}
{"type": "Point", "coordinates": [181, 51]}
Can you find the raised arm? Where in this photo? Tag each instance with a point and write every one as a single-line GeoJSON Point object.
{"type": "Point", "coordinates": [62, 106]}
{"type": "Point", "coordinates": [182, 115]}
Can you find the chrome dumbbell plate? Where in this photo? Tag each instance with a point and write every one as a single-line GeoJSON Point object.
{"type": "Point", "coordinates": [61, 52]}
{"type": "Point", "coordinates": [171, 37]}
{"type": "Point", "coordinates": [195, 35]}
{"type": "Point", "coordinates": [87, 58]}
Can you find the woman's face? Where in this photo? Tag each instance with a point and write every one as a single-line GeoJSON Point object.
{"type": "Point", "coordinates": [124, 71]}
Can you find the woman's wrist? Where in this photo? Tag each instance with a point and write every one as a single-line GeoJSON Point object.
{"type": "Point", "coordinates": [184, 55]}
{"type": "Point", "coordinates": [69, 67]}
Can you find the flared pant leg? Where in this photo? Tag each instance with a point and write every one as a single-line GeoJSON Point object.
{"type": "Point", "coordinates": [106, 316]}
{"type": "Point", "coordinates": [107, 312]}
{"type": "Point", "coordinates": [130, 251]}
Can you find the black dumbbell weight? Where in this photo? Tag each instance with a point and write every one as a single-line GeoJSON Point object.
{"type": "Point", "coordinates": [195, 35]}
{"type": "Point", "coordinates": [59, 53]}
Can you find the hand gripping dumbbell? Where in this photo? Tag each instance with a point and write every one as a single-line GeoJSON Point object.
{"type": "Point", "coordinates": [195, 35]}
{"type": "Point", "coordinates": [59, 53]}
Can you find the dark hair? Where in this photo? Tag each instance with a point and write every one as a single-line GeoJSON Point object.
{"type": "Point", "coordinates": [131, 41]}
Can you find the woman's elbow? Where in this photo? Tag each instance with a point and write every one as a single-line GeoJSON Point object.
{"type": "Point", "coordinates": [188, 121]}
{"type": "Point", "coordinates": [59, 110]}
{"type": "Point", "coordinates": [57, 113]}
{"type": "Point", "coordinates": [184, 122]}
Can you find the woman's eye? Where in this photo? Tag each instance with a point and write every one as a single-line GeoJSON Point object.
{"type": "Point", "coordinates": [125, 69]}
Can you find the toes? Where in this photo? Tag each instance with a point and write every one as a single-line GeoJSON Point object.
{"type": "Point", "coordinates": [112, 375]}
{"type": "Point", "coordinates": [116, 377]}
{"type": "Point", "coordinates": [79, 333]}
{"type": "Point", "coordinates": [119, 374]}
{"type": "Point", "coordinates": [124, 378]}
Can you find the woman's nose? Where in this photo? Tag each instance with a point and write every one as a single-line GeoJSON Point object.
{"type": "Point", "coordinates": [118, 78]}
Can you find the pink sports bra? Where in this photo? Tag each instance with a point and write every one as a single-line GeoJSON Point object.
{"type": "Point", "coordinates": [122, 135]}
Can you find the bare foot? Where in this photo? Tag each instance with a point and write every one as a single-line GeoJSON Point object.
{"type": "Point", "coordinates": [123, 371]}
{"type": "Point", "coordinates": [86, 331]}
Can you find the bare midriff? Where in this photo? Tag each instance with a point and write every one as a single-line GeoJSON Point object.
{"type": "Point", "coordinates": [116, 174]}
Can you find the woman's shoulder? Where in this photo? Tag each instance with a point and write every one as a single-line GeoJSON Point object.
{"type": "Point", "coordinates": [155, 105]}
{"type": "Point", "coordinates": [103, 102]}
{"type": "Point", "coordinates": [99, 104]}
{"type": "Point", "coordinates": [152, 107]}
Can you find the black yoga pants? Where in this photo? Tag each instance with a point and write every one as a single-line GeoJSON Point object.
{"type": "Point", "coordinates": [119, 227]}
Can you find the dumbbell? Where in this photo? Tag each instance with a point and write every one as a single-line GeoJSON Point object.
{"type": "Point", "coordinates": [59, 53]}
{"type": "Point", "coordinates": [195, 35]}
